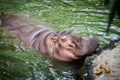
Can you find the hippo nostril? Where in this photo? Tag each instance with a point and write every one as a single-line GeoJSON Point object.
{"type": "Point", "coordinates": [70, 45]}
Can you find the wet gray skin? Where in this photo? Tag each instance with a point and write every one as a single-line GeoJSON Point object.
{"type": "Point", "coordinates": [65, 46]}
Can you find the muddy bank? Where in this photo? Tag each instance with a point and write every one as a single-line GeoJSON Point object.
{"type": "Point", "coordinates": [106, 66]}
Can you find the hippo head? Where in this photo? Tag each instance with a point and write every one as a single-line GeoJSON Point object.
{"type": "Point", "coordinates": [67, 46]}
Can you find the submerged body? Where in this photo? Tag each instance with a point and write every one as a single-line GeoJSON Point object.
{"type": "Point", "coordinates": [62, 45]}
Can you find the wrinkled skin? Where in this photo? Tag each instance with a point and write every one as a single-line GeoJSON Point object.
{"type": "Point", "coordinates": [65, 46]}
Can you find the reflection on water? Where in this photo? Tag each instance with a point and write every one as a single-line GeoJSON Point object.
{"type": "Point", "coordinates": [83, 17]}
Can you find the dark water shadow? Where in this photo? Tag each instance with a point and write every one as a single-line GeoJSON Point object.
{"type": "Point", "coordinates": [12, 68]}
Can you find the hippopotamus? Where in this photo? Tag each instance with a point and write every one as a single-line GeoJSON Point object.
{"type": "Point", "coordinates": [61, 45]}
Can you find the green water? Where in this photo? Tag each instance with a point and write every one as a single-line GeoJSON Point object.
{"type": "Point", "coordinates": [81, 16]}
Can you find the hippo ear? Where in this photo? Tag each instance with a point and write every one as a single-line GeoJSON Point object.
{"type": "Point", "coordinates": [54, 39]}
{"type": "Point", "coordinates": [64, 38]}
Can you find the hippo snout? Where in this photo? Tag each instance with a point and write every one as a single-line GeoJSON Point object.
{"type": "Point", "coordinates": [90, 44]}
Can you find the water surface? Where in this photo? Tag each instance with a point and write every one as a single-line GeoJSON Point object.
{"type": "Point", "coordinates": [82, 16]}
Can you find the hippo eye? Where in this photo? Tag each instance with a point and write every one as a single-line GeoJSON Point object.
{"type": "Point", "coordinates": [63, 38]}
